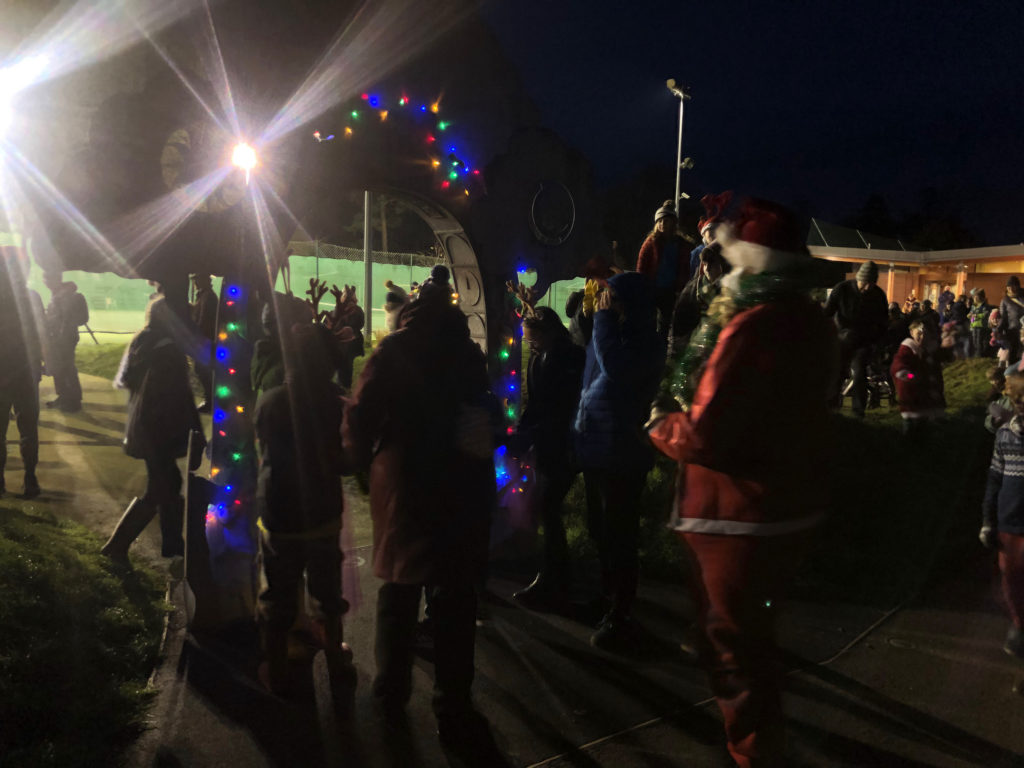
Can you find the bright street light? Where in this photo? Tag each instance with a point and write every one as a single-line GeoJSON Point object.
{"type": "Point", "coordinates": [14, 78]}
{"type": "Point", "coordinates": [244, 158]}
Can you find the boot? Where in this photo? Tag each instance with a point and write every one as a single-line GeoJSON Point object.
{"type": "Point", "coordinates": [172, 517]}
{"type": "Point", "coordinates": [133, 522]}
{"type": "Point", "coordinates": [273, 672]}
{"type": "Point", "coordinates": [32, 488]}
{"type": "Point", "coordinates": [340, 670]}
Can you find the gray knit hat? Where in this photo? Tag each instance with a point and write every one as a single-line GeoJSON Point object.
{"type": "Point", "coordinates": [666, 210]}
{"type": "Point", "coordinates": [868, 272]}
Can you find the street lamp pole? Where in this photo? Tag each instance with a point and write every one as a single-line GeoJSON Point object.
{"type": "Point", "coordinates": [682, 95]}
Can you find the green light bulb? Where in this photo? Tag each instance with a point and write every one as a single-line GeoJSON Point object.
{"type": "Point", "coordinates": [232, 327]}
{"type": "Point", "coordinates": [504, 354]}
{"type": "Point", "coordinates": [223, 391]}
{"type": "Point", "coordinates": [236, 457]}
{"type": "Point", "coordinates": [355, 114]}
{"type": "Point", "coordinates": [453, 175]}
{"type": "Point", "coordinates": [441, 126]}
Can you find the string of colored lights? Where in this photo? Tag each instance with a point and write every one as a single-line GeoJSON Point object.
{"type": "Point", "coordinates": [454, 174]}
{"type": "Point", "coordinates": [232, 449]}
{"type": "Point", "coordinates": [511, 470]}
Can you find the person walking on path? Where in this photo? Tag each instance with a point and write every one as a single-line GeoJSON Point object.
{"type": "Point", "coordinates": [749, 428]}
{"type": "Point", "coordinates": [420, 422]}
{"type": "Point", "coordinates": [21, 362]}
{"type": "Point", "coordinates": [66, 311]}
{"type": "Point", "coordinates": [203, 312]}
{"type": "Point", "coordinates": [1002, 526]}
{"type": "Point", "coordinates": [623, 366]}
{"type": "Point", "coordinates": [861, 315]}
{"type": "Point", "coordinates": [553, 380]}
{"type": "Point", "coordinates": [299, 502]}
{"type": "Point", "coordinates": [664, 260]}
{"type": "Point", "coordinates": [161, 417]}
{"type": "Point", "coordinates": [1011, 310]}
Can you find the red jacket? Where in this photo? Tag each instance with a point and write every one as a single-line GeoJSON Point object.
{"type": "Point", "coordinates": [918, 381]}
{"type": "Point", "coordinates": [754, 441]}
{"type": "Point", "coordinates": [650, 257]}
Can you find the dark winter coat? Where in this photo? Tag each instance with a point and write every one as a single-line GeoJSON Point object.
{"type": "Point", "coordinates": [21, 328]}
{"type": "Point", "coordinates": [204, 312]}
{"type": "Point", "coordinates": [419, 420]}
{"type": "Point", "coordinates": [1010, 313]}
{"type": "Point", "coordinates": [1003, 507]}
{"type": "Point", "coordinates": [861, 317]}
{"type": "Point", "coordinates": [299, 483]}
{"type": "Point", "coordinates": [553, 382]}
{"type": "Point", "coordinates": [623, 368]}
{"type": "Point", "coordinates": [161, 411]}
{"type": "Point", "coordinates": [66, 311]}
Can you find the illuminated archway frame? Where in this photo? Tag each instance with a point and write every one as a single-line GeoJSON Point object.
{"type": "Point", "coordinates": [458, 252]}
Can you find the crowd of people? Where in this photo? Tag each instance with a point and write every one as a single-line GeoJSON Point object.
{"type": "Point", "coordinates": [681, 356]}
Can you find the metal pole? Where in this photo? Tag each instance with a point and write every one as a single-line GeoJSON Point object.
{"type": "Point", "coordinates": [367, 264]}
{"type": "Point", "coordinates": [679, 155]}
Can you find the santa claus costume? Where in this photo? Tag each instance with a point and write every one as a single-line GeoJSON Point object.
{"type": "Point", "coordinates": [747, 420]}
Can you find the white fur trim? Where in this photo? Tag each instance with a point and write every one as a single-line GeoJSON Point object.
{"type": "Point", "coordinates": [754, 258]}
{"type": "Point", "coordinates": [914, 346]}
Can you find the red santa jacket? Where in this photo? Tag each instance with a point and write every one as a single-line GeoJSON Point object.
{"type": "Point", "coordinates": [753, 443]}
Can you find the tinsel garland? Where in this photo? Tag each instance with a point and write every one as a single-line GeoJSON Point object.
{"type": "Point", "coordinates": [751, 291]}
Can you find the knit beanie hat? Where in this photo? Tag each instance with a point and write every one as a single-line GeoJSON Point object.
{"type": "Point", "coordinates": [667, 210]}
{"type": "Point", "coordinates": [868, 272]}
{"type": "Point", "coordinates": [1013, 281]}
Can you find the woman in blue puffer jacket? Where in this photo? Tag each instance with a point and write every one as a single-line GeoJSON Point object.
{"type": "Point", "coordinates": [624, 363]}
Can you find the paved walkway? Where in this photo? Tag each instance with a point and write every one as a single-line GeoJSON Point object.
{"type": "Point", "coordinates": [925, 684]}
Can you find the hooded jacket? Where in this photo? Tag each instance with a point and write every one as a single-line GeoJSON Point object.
{"type": "Point", "coordinates": [620, 379]}
{"type": "Point", "coordinates": [419, 420]}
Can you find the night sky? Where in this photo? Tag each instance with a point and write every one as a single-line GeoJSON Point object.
{"type": "Point", "coordinates": [809, 103]}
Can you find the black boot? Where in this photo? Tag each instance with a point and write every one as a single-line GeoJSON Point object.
{"type": "Point", "coordinates": [133, 522]}
{"type": "Point", "coordinates": [172, 517]}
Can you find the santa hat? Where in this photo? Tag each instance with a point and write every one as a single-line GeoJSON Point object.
{"type": "Point", "coordinates": [714, 206]}
{"type": "Point", "coordinates": [765, 237]}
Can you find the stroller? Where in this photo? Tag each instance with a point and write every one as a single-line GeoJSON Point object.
{"type": "Point", "coordinates": [880, 384]}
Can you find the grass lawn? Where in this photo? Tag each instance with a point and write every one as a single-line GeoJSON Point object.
{"type": "Point", "coordinates": [100, 359]}
{"type": "Point", "coordinates": [78, 640]}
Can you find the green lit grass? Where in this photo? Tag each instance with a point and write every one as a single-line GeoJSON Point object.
{"type": "Point", "coordinates": [78, 640]}
{"type": "Point", "coordinates": [100, 359]}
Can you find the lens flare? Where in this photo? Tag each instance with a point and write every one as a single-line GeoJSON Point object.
{"type": "Point", "coordinates": [243, 156]}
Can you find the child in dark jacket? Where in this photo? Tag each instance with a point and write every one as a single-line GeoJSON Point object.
{"type": "Point", "coordinates": [1002, 512]}
{"type": "Point", "coordinates": [299, 500]}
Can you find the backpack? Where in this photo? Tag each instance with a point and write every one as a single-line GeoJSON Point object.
{"type": "Point", "coordinates": [78, 310]}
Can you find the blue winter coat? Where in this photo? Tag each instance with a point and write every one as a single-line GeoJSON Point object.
{"type": "Point", "coordinates": [624, 363]}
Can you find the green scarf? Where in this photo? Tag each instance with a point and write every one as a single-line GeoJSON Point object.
{"type": "Point", "coordinates": [751, 290]}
